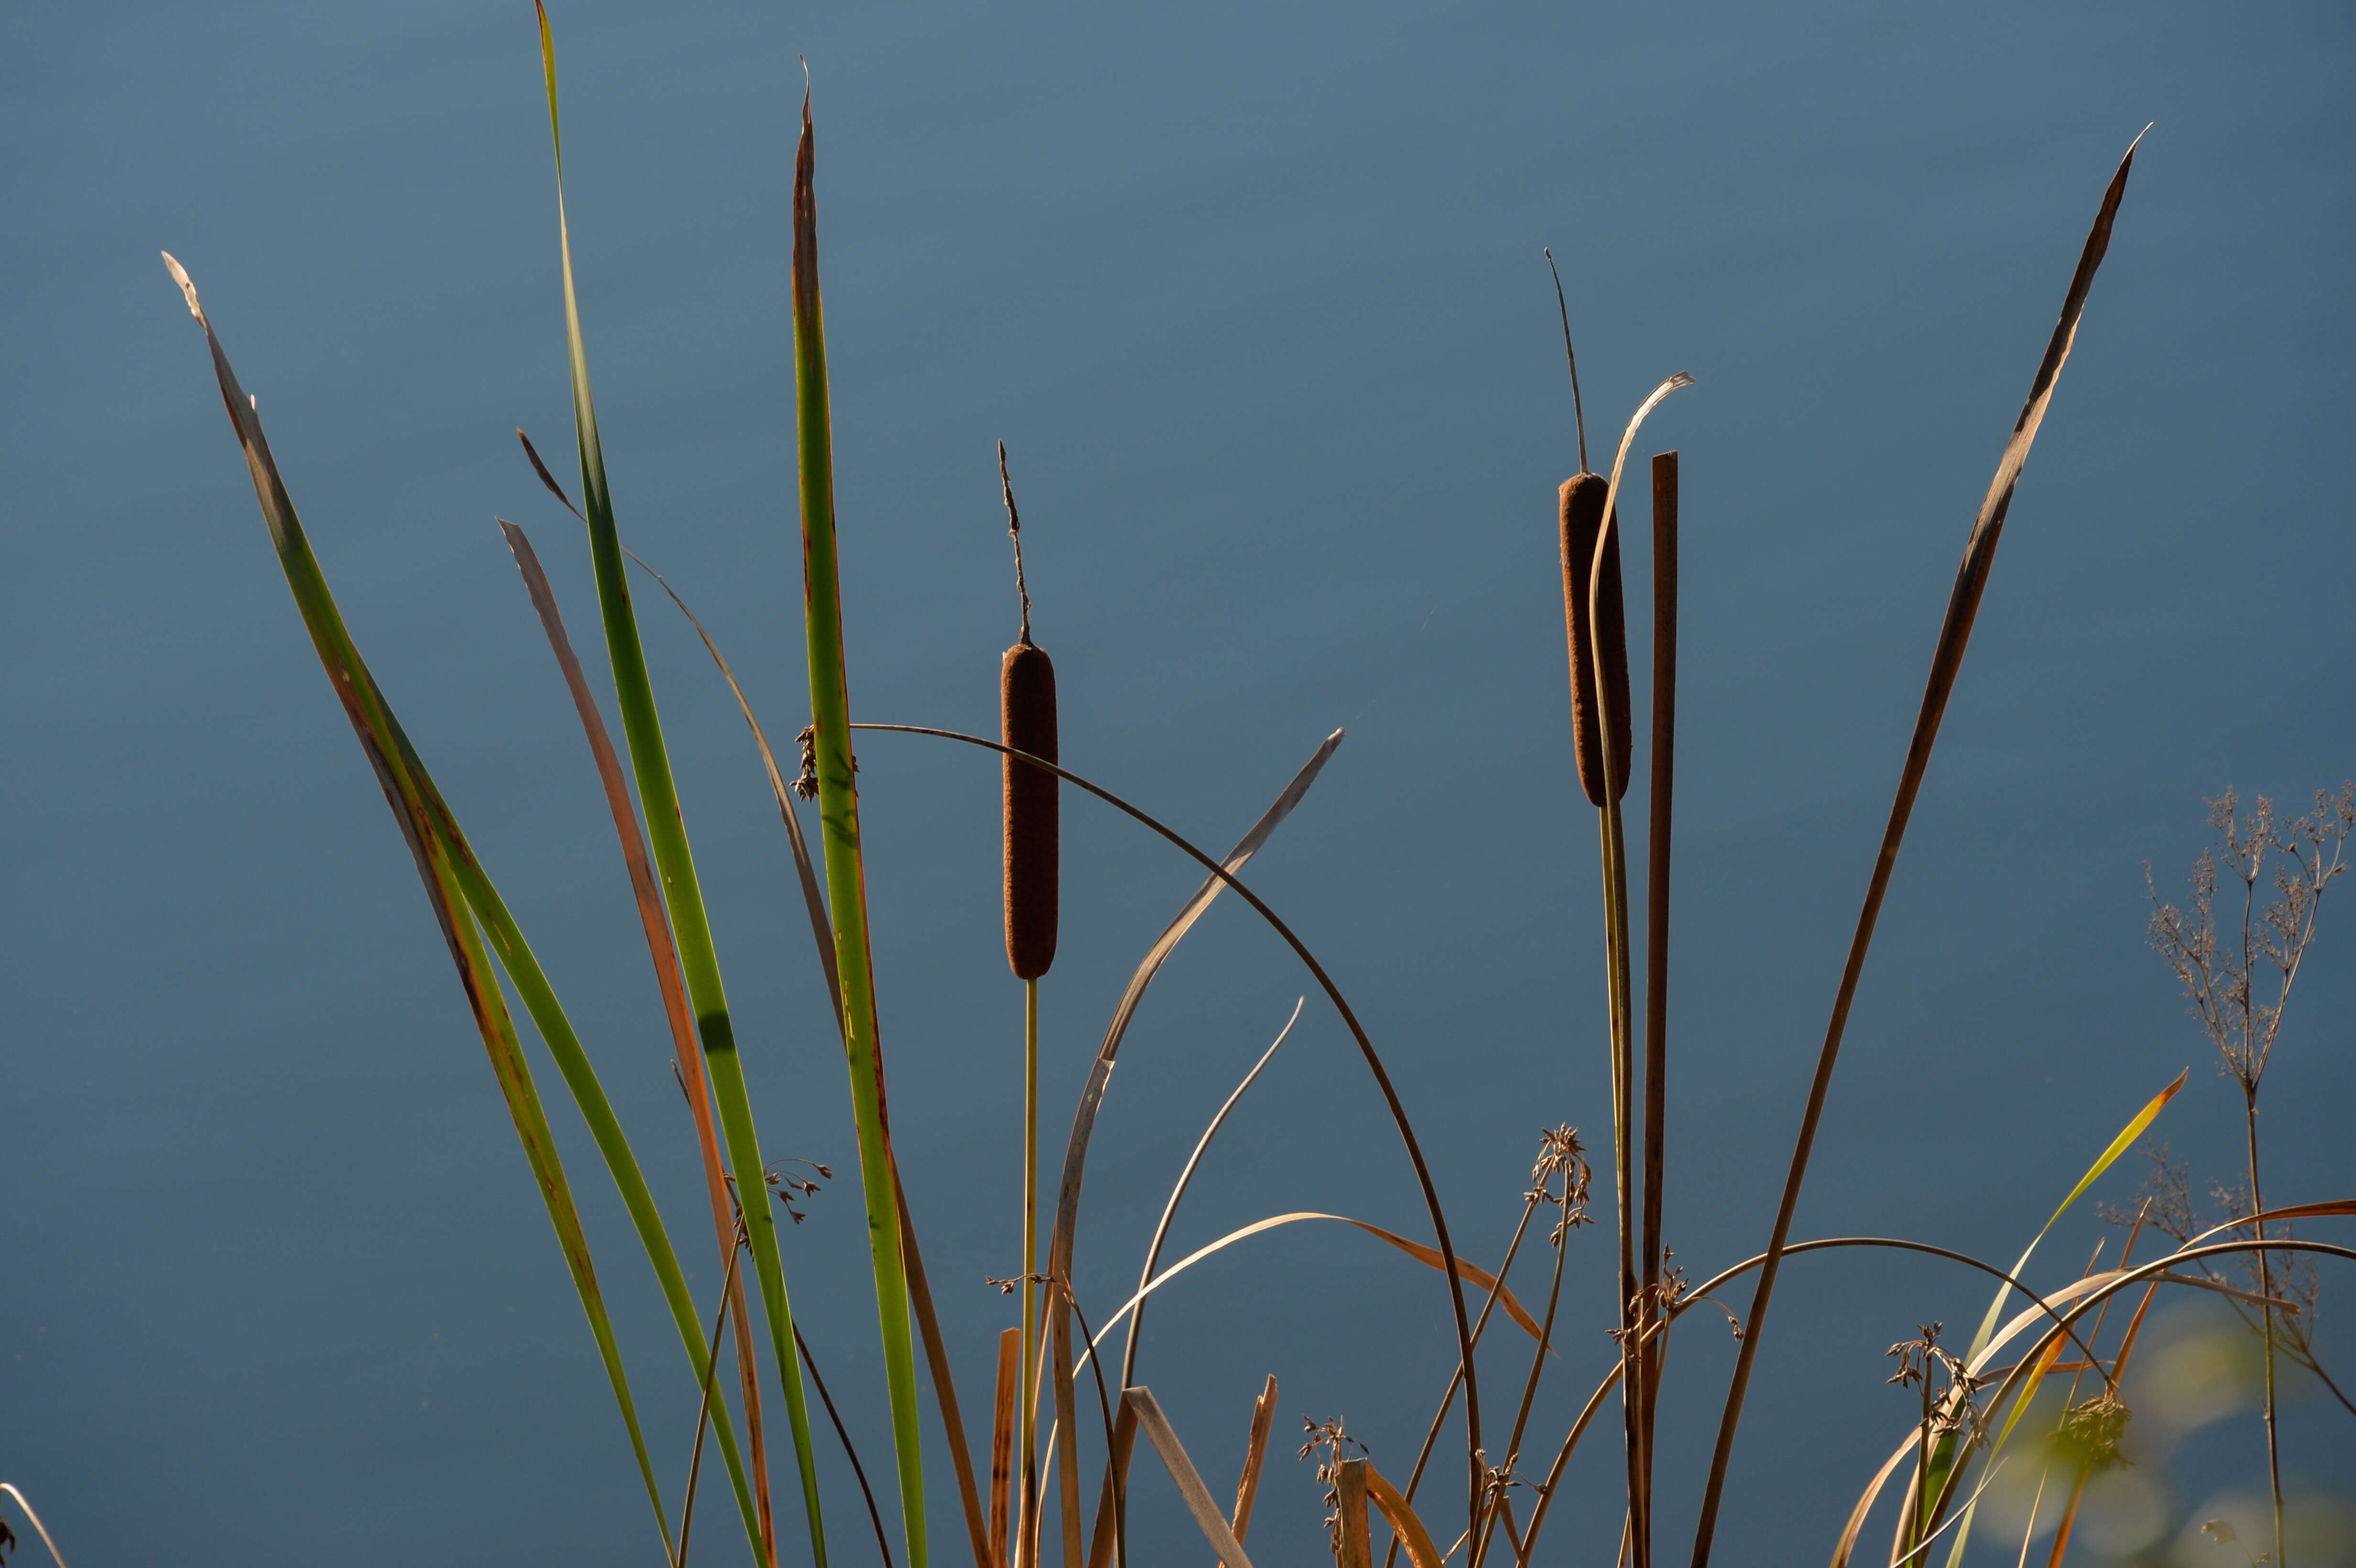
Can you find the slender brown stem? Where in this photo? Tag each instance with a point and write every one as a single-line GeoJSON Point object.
{"type": "Point", "coordinates": [2266, 1312]}
{"type": "Point", "coordinates": [1615, 865]}
{"type": "Point", "coordinates": [882, 1542]}
{"type": "Point", "coordinates": [1456, 1378]}
{"type": "Point", "coordinates": [704, 1412]}
{"type": "Point", "coordinates": [1027, 1439]}
{"type": "Point", "coordinates": [1946, 663]}
{"type": "Point", "coordinates": [1657, 958]}
{"type": "Point", "coordinates": [1537, 1360]}
{"type": "Point", "coordinates": [1538, 1367]}
{"type": "Point", "coordinates": [937, 1357]}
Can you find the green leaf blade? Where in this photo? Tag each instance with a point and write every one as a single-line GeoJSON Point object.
{"type": "Point", "coordinates": [674, 859]}
{"type": "Point", "coordinates": [839, 823]}
{"type": "Point", "coordinates": [406, 789]}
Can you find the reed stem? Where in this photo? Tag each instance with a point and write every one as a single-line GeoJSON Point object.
{"type": "Point", "coordinates": [1025, 1533]}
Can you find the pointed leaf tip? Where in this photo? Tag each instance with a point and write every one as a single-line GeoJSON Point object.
{"type": "Point", "coordinates": [180, 276]}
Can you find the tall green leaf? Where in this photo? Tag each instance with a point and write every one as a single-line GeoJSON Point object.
{"type": "Point", "coordinates": [442, 865]}
{"type": "Point", "coordinates": [667, 833]}
{"type": "Point", "coordinates": [846, 875]}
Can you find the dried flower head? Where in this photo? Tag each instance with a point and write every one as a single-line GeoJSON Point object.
{"type": "Point", "coordinates": [1914, 1355]}
{"type": "Point", "coordinates": [785, 1188]}
{"type": "Point", "coordinates": [2219, 975]}
{"type": "Point", "coordinates": [1329, 1436]}
{"type": "Point", "coordinates": [1562, 1158]}
{"type": "Point", "coordinates": [2090, 1432]}
{"type": "Point", "coordinates": [806, 785]}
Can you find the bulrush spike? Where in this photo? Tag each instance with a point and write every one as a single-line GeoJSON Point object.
{"type": "Point", "coordinates": [1026, 706]}
{"type": "Point", "coordinates": [1582, 514]}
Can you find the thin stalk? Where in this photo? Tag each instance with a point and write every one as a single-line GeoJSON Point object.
{"type": "Point", "coordinates": [1028, 1419]}
{"type": "Point", "coordinates": [846, 872]}
{"type": "Point", "coordinates": [2253, 1063]}
{"type": "Point", "coordinates": [875, 1515]}
{"type": "Point", "coordinates": [1656, 948]}
{"type": "Point", "coordinates": [1456, 1378]}
{"type": "Point", "coordinates": [703, 1410]}
{"type": "Point", "coordinates": [2266, 1312]}
{"type": "Point", "coordinates": [1922, 1526]}
{"type": "Point", "coordinates": [937, 1358]}
{"type": "Point", "coordinates": [1615, 864]}
{"type": "Point", "coordinates": [674, 859]}
{"type": "Point", "coordinates": [1185, 1178]}
{"type": "Point", "coordinates": [1545, 1337]}
{"type": "Point", "coordinates": [1115, 1480]}
{"type": "Point", "coordinates": [1538, 1367]}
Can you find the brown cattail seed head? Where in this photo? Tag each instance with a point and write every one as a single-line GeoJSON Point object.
{"type": "Point", "coordinates": [1582, 515]}
{"type": "Point", "coordinates": [1026, 714]}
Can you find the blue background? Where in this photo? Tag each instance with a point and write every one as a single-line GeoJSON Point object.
{"type": "Point", "coordinates": [1254, 296]}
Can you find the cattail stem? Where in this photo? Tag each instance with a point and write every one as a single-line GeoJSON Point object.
{"type": "Point", "coordinates": [1024, 1531]}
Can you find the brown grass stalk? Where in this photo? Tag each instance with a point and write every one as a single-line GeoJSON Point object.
{"type": "Point", "coordinates": [1658, 820]}
{"type": "Point", "coordinates": [1946, 662]}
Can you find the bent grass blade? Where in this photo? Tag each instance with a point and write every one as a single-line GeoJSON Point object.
{"type": "Point", "coordinates": [43, 1529]}
{"type": "Point", "coordinates": [406, 787]}
{"type": "Point", "coordinates": [1420, 1550]}
{"type": "Point", "coordinates": [1185, 1178]}
{"type": "Point", "coordinates": [1428, 1256]}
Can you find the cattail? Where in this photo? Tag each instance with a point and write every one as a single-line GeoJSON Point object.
{"type": "Point", "coordinates": [1026, 722]}
{"type": "Point", "coordinates": [1026, 706]}
{"type": "Point", "coordinates": [1582, 514]}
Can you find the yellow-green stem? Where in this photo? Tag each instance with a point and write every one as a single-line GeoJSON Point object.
{"type": "Point", "coordinates": [1029, 1385]}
